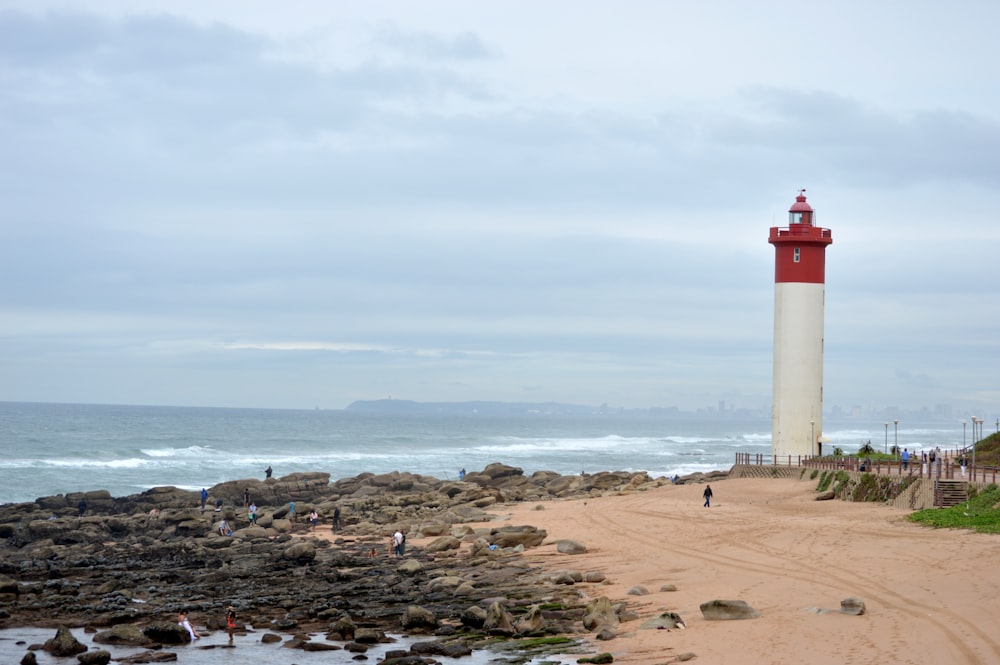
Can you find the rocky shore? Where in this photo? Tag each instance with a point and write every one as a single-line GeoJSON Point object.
{"type": "Point", "coordinates": [128, 564]}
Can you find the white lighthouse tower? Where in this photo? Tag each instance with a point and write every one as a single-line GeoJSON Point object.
{"type": "Point", "coordinates": [799, 293]}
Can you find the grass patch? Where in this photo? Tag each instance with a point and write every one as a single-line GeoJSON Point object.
{"type": "Point", "coordinates": [829, 477]}
{"type": "Point", "coordinates": [981, 513]}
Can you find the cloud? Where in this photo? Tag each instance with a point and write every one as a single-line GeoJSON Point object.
{"type": "Point", "coordinates": [456, 206]}
{"type": "Point", "coordinates": [466, 45]}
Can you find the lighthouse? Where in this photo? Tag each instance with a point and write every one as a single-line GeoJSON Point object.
{"type": "Point", "coordinates": [799, 294]}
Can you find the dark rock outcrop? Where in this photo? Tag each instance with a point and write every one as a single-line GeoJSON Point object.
{"type": "Point", "coordinates": [129, 564]}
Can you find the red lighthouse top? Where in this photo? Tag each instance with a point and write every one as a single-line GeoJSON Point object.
{"type": "Point", "coordinates": [800, 212]}
{"type": "Point", "coordinates": [800, 248]}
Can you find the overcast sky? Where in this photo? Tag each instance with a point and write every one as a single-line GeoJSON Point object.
{"type": "Point", "coordinates": [308, 203]}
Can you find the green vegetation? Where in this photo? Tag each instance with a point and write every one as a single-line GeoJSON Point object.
{"type": "Point", "coordinates": [987, 450]}
{"type": "Point", "coordinates": [871, 487]}
{"type": "Point", "coordinates": [812, 476]}
{"type": "Point", "coordinates": [866, 487]}
{"type": "Point", "coordinates": [828, 477]}
{"type": "Point", "coordinates": [981, 513]}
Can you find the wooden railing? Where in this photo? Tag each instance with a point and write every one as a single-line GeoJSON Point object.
{"type": "Point", "coordinates": [946, 467]}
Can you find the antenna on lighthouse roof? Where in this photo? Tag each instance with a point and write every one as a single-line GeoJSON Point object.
{"type": "Point", "coordinates": [802, 191]}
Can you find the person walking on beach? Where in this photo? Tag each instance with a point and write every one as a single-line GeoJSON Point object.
{"type": "Point", "coordinates": [708, 496]}
{"type": "Point", "coordinates": [336, 519]}
{"type": "Point", "coordinates": [204, 498]}
{"type": "Point", "coordinates": [182, 621]}
{"type": "Point", "coordinates": [906, 459]}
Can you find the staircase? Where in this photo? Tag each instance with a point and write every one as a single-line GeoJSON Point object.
{"type": "Point", "coordinates": [951, 493]}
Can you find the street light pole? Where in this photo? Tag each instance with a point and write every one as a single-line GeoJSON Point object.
{"type": "Point", "coordinates": [895, 432]}
{"type": "Point", "coordinates": [963, 434]}
{"type": "Point", "coordinates": [887, 438]}
{"type": "Point", "coordinates": [974, 420]}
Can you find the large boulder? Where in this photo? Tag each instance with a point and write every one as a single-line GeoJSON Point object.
{"type": "Point", "coordinates": [167, 632]}
{"type": "Point", "coordinates": [300, 552]}
{"type": "Point", "coordinates": [531, 622]}
{"type": "Point", "coordinates": [853, 606]}
{"type": "Point", "coordinates": [443, 544]}
{"type": "Point", "coordinates": [124, 634]}
{"type": "Point", "coordinates": [727, 610]}
{"type": "Point", "coordinates": [64, 643]}
{"type": "Point", "coordinates": [567, 546]}
{"type": "Point", "coordinates": [512, 536]}
{"type": "Point", "coordinates": [9, 588]}
{"type": "Point", "coordinates": [418, 618]}
{"type": "Point", "coordinates": [100, 657]}
{"type": "Point", "coordinates": [498, 470]}
{"type": "Point", "coordinates": [343, 629]}
{"type": "Point", "coordinates": [499, 621]}
{"type": "Point", "coordinates": [599, 614]}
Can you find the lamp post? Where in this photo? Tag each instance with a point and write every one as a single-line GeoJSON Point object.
{"type": "Point", "coordinates": [887, 438]}
{"type": "Point", "coordinates": [895, 433]}
{"type": "Point", "coordinates": [974, 439]}
{"type": "Point", "coordinates": [963, 435]}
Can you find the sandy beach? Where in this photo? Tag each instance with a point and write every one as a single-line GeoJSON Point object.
{"type": "Point", "coordinates": [931, 595]}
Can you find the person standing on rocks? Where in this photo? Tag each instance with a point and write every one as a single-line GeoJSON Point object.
{"type": "Point", "coordinates": [182, 621]}
{"type": "Point", "coordinates": [246, 498]}
{"type": "Point", "coordinates": [268, 471]}
{"type": "Point", "coordinates": [336, 519]}
{"type": "Point", "coordinates": [314, 519]}
{"type": "Point", "coordinates": [253, 513]}
{"type": "Point", "coordinates": [397, 543]}
{"type": "Point", "coordinates": [204, 498]}
{"type": "Point", "coordinates": [291, 511]}
{"type": "Point", "coordinates": [81, 505]}
{"type": "Point", "coordinates": [708, 496]}
{"type": "Point", "coordinates": [230, 622]}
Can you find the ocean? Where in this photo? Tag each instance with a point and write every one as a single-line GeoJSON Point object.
{"type": "Point", "coordinates": [48, 449]}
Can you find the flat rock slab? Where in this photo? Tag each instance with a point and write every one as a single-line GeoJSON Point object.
{"type": "Point", "coordinates": [727, 610]}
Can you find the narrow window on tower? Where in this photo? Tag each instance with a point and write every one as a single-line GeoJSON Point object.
{"type": "Point", "coordinates": [796, 255]}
